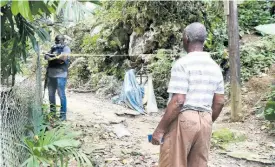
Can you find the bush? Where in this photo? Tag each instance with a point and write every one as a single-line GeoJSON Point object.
{"type": "Point", "coordinates": [49, 145]}
{"type": "Point", "coordinates": [256, 57]}
{"type": "Point", "coordinates": [119, 19]}
{"type": "Point", "coordinates": [269, 111]}
{"type": "Point", "coordinates": [160, 67]}
{"type": "Point", "coordinates": [254, 13]}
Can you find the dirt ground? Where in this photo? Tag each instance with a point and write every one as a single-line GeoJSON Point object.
{"type": "Point", "coordinates": [99, 120]}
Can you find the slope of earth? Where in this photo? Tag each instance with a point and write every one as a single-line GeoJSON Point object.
{"type": "Point", "coordinates": [101, 122]}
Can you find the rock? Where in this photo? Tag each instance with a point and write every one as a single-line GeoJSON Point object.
{"type": "Point", "coordinates": [128, 112]}
{"type": "Point", "coordinates": [271, 145]}
{"type": "Point", "coordinates": [117, 152]}
{"type": "Point", "coordinates": [96, 126]}
{"type": "Point", "coordinates": [88, 150]}
{"type": "Point", "coordinates": [105, 136]}
{"type": "Point", "coordinates": [141, 44]}
{"type": "Point", "coordinates": [135, 45]}
{"type": "Point", "coordinates": [98, 148]}
{"type": "Point", "coordinates": [117, 121]}
{"type": "Point", "coordinates": [112, 159]}
{"type": "Point", "coordinates": [112, 135]}
{"type": "Point", "coordinates": [135, 153]}
{"type": "Point", "coordinates": [126, 151]}
{"type": "Point", "coordinates": [121, 131]}
{"type": "Point", "coordinates": [263, 127]}
{"type": "Point", "coordinates": [250, 157]}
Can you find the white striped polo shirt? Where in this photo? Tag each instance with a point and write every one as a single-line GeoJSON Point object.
{"type": "Point", "coordinates": [199, 77]}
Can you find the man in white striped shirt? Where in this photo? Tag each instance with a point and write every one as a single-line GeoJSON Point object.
{"type": "Point", "coordinates": [198, 97]}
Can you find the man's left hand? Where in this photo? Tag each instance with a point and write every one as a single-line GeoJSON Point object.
{"type": "Point", "coordinates": [157, 137]}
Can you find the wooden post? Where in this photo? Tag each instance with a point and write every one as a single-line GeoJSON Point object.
{"type": "Point", "coordinates": [234, 60]}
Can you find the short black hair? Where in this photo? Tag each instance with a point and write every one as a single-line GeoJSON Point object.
{"type": "Point", "coordinates": [59, 37]}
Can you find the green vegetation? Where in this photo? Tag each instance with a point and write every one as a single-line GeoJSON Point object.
{"type": "Point", "coordinates": [160, 24]}
{"type": "Point", "coordinates": [24, 24]}
{"type": "Point", "coordinates": [51, 143]}
{"type": "Point", "coordinates": [222, 137]}
{"type": "Point", "coordinates": [257, 56]}
{"type": "Point", "coordinates": [107, 37]}
{"type": "Point", "coordinates": [254, 13]}
{"type": "Point", "coordinates": [269, 111]}
{"type": "Point", "coordinates": [119, 36]}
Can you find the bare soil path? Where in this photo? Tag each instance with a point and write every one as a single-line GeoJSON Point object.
{"type": "Point", "coordinates": [99, 120]}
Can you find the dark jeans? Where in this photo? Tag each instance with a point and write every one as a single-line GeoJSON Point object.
{"type": "Point", "coordinates": [58, 84]}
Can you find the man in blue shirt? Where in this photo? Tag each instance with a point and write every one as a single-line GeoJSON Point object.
{"type": "Point", "coordinates": [57, 72]}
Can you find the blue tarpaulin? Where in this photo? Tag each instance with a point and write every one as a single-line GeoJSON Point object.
{"type": "Point", "coordinates": [131, 93]}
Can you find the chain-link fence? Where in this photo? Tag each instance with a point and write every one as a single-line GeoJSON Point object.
{"type": "Point", "coordinates": [16, 108]}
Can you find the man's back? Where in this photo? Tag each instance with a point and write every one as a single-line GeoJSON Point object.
{"type": "Point", "coordinates": [199, 77]}
{"type": "Point", "coordinates": [198, 98]}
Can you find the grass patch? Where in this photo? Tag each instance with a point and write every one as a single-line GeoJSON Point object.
{"type": "Point", "coordinates": [222, 137]}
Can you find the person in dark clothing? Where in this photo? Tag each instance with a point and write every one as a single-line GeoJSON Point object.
{"type": "Point", "coordinates": [57, 72]}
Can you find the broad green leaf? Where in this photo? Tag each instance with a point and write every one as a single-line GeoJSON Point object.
{"type": "Point", "coordinates": [43, 34]}
{"type": "Point", "coordinates": [34, 43]}
{"type": "Point", "coordinates": [24, 9]}
{"type": "Point", "coordinates": [80, 157]}
{"type": "Point", "coordinates": [24, 52]}
{"type": "Point", "coordinates": [23, 146]}
{"type": "Point", "coordinates": [39, 149]}
{"type": "Point", "coordinates": [31, 162]}
{"type": "Point", "coordinates": [10, 18]}
{"type": "Point", "coordinates": [14, 8]}
{"type": "Point", "coordinates": [3, 2]}
{"type": "Point", "coordinates": [35, 162]}
{"type": "Point", "coordinates": [42, 8]}
{"type": "Point", "coordinates": [35, 6]}
{"type": "Point", "coordinates": [87, 160]}
{"type": "Point", "coordinates": [61, 160]}
{"type": "Point", "coordinates": [268, 29]}
{"type": "Point", "coordinates": [52, 147]}
{"type": "Point", "coordinates": [26, 162]}
{"type": "Point", "coordinates": [72, 135]}
{"type": "Point", "coordinates": [67, 143]}
{"type": "Point", "coordinates": [29, 143]}
{"type": "Point", "coordinates": [51, 2]}
{"type": "Point", "coordinates": [46, 147]}
{"type": "Point", "coordinates": [45, 161]}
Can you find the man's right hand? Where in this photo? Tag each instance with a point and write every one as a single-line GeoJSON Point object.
{"type": "Point", "coordinates": [157, 137]}
{"type": "Point", "coordinates": [49, 56]}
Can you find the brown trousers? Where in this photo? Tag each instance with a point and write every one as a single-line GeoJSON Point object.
{"type": "Point", "coordinates": [187, 142]}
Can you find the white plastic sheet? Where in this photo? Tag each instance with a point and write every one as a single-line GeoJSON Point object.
{"type": "Point", "coordinates": [150, 96]}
